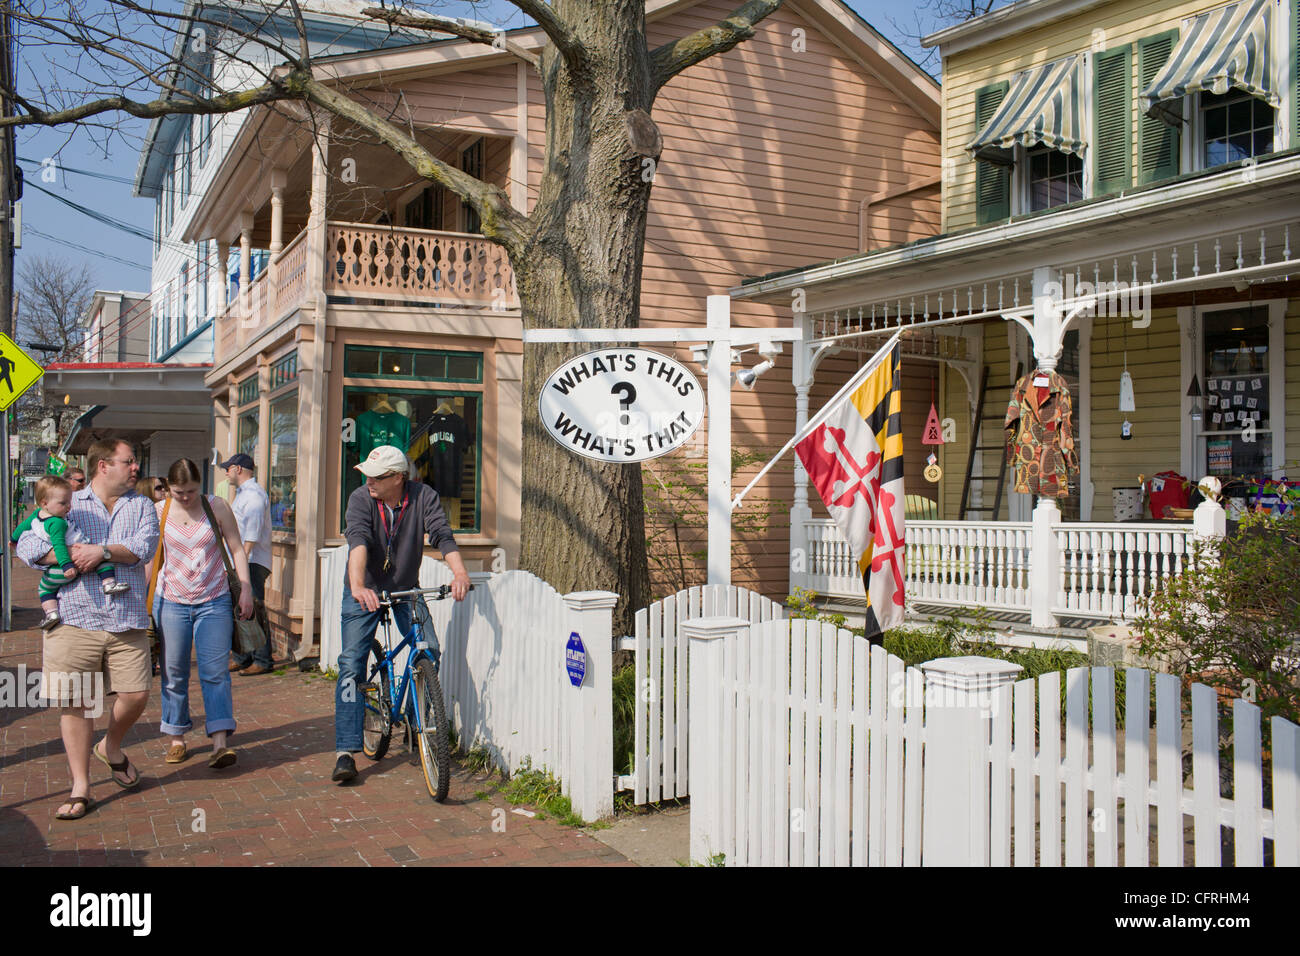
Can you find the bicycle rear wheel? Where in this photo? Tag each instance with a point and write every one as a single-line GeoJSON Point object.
{"type": "Point", "coordinates": [431, 729]}
{"type": "Point", "coordinates": [377, 696]}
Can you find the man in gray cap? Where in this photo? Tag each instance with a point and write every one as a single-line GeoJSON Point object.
{"type": "Point", "coordinates": [387, 521]}
{"type": "Point", "coordinates": [252, 510]}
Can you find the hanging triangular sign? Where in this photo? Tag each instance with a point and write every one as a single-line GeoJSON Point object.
{"type": "Point", "coordinates": [933, 433]}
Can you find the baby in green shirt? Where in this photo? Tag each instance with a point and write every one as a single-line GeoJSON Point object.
{"type": "Point", "coordinates": [50, 523]}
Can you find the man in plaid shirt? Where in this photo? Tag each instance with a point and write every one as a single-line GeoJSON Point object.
{"type": "Point", "coordinates": [101, 633]}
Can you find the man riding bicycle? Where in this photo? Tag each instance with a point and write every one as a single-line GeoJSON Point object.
{"type": "Point", "coordinates": [387, 520]}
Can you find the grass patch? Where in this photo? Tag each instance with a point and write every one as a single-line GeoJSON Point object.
{"type": "Point", "coordinates": [539, 789]}
{"type": "Point", "coordinates": [478, 760]}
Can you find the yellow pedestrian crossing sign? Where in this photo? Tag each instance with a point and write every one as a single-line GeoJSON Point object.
{"type": "Point", "coordinates": [18, 371]}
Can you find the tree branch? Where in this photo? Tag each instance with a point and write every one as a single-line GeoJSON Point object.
{"type": "Point", "coordinates": [501, 222]}
{"type": "Point", "coordinates": [559, 32]}
{"type": "Point", "coordinates": [671, 58]}
{"type": "Point", "coordinates": [429, 21]}
{"type": "Point", "coordinates": [288, 87]}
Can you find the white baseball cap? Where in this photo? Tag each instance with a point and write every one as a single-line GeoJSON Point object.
{"type": "Point", "coordinates": [384, 460]}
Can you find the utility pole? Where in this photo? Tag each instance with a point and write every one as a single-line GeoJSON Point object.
{"type": "Point", "coordinates": [8, 196]}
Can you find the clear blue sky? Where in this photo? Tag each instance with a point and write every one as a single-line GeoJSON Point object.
{"type": "Point", "coordinates": [120, 261]}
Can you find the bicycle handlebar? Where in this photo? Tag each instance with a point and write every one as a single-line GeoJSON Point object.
{"type": "Point", "coordinates": [439, 593]}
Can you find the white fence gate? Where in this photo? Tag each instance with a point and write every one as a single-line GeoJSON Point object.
{"type": "Point", "coordinates": [503, 673]}
{"type": "Point", "coordinates": [662, 713]}
{"type": "Point", "coordinates": [807, 750]}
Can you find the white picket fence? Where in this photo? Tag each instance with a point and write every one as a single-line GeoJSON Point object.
{"type": "Point", "coordinates": [503, 673]}
{"type": "Point", "coordinates": [806, 749]}
{"type": "Point", "coordinates": [660, 757]}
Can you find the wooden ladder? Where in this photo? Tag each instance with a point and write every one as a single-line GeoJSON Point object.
{"type": "Point", "coordinates": [977, 430]}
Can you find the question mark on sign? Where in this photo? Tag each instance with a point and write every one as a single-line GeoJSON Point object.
{"type": "Point", "coordinates": [625, 403]}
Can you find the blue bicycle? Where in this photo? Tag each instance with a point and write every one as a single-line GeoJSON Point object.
{"type": "Point", "coordinates": [417, 704]}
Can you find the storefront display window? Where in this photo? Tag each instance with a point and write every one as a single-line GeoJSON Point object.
{"type": "Point", "coordinates": [247, 440]}
{"type": "Point", "coordinates": [282, 486]}
{"type": "Point", "coordinates": [440, 431]}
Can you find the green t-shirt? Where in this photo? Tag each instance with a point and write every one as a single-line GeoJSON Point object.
{"type": "Point", "coordinates": [382, 428]}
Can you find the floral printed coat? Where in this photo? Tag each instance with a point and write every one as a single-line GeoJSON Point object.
{"type": "Point", "coordinates": [1040, 439]}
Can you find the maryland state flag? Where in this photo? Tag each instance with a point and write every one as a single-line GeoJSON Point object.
{"type": "Point", "coordinates": [854, 458]}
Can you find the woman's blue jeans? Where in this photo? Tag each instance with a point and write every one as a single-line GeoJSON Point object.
{"type": "Point", "coordinates": [359, 626]}
{"type": "Point", "coordinates": [208, 628]}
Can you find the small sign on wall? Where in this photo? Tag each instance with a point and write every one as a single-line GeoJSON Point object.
{"type": "Point", "coordinates": [575, 659]}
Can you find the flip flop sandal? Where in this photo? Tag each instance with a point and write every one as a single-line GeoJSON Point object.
{"type": "Point", "coordinates": [178, 753]}
{"type": "Point", "coordinates": [80, 807]}
{"type": "Point", "coordinates": [122, 766]}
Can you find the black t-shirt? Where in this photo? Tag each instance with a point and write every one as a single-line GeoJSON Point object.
{"type": "Point", "coordinates": [443, 460]}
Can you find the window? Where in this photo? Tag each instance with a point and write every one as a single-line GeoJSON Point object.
{"type": "Point", "coordinates": [246, 437]}
{"type": "Point", "coordinates": [438, 425]}
{"type": "Point", "coordinates": [183, 313]}
{"type": "Point", "coordinates": [1235, 126]}
{"type": "Point", "coordinates": [205, 136]}
{"type": "Point", "coordinates": [1235, 362]}
{"type": "Point", "coordinates": [157, 223]}
{"type": "Point", "coordinates": [169, 201]}
{"type": "Point", "coordinates": [1054, 178]}
{"type": "Point", "coordinates": [284, 371]}
{"type": "Point", "coordinates": [283, 471]}
{"type": "Point", "coordinates": [471, 161]}
{"type": "Point", "coordinates": [201, 277]}
{"type": "Point", "coordinates": [187, 144]}
{"type": "Point", "coordinates": [423, 364]}
{"type": "Point", "coordinates": [247, 391]}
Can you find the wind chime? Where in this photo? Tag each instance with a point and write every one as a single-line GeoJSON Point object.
{"type": "Point", "coordinates": [1126, 399]}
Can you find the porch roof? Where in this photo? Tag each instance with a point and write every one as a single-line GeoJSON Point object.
{"type": "Point", "coordinates": [991, 266]}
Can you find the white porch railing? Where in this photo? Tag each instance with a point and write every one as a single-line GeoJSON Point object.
{"type": "Point", "coordinates": [1108, 569]}
{"type": "Point", "coordinates": [1098, 570]}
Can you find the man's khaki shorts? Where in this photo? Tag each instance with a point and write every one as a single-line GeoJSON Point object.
{"type": "Point", "coordinates": [71, 653]}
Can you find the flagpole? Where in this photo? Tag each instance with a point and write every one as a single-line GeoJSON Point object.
{"type": "Point", "coordinates": [821, 416]}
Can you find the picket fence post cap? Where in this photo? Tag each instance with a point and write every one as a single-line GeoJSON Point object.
{"type": "Point", "coordinates": [712, 628]}
{"type": "Point", "coordinates": [591, 600]}
{"type": "Point", "coordinates": [972, 672]}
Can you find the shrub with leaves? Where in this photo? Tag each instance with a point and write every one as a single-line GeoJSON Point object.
{"type": "Point", "coordinates": [1231, 620]}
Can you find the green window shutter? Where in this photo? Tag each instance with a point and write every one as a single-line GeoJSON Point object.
{"type": "Point", "coordinates": [1295, 74]}
{"type": "Point", "coordinates": [992, 182]}
{"type": "Point", "coordinates": [1158, 142]}
{"type": "Point", "coordinates": [1112, 140]}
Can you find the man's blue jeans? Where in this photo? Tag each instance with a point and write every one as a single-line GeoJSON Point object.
{"type": "Point", "coordinates": [359, 626]}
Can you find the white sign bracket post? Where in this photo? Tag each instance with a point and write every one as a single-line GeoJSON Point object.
{"type": "Point", "coordinates": [720, 338]}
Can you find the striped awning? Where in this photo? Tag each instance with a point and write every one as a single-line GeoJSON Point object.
{"type": "Point", "coordinates": [1217, 51]}
{"type": "Point", "coordinates": [1042, 105]}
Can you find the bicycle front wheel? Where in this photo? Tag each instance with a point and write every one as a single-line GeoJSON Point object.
{"type": "Point", "coordinates": [431, 729]}
{"type": "Point", "coordinates": [377, 696]}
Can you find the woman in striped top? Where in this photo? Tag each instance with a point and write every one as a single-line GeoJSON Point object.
{"type": "Point", "coordinates": [193, 607]}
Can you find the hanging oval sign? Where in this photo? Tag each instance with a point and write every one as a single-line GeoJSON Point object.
{"type": "Point", "coordinates": [621, 405]}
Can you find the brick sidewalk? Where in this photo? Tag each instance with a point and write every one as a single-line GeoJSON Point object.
{"type": "Point", "coordinates": [276, 807]}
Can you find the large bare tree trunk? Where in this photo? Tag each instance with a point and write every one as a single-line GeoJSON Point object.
{"type": "Point", "coordinates": [583, 521]}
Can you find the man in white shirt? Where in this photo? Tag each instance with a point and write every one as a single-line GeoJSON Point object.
{"type": "Point", "coordinates": [252, 509]}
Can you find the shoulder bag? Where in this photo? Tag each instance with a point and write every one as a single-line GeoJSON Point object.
{"type": "Point", "coordinates": [153, 578]}
{"type": "Point", "coordinates": [248, 636]}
